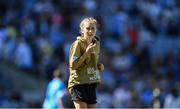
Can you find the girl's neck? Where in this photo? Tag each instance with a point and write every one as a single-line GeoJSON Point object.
{"type": "Point", "coordinates": [88, 40]}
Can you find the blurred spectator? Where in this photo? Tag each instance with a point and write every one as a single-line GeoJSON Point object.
{"type": "Point", "coordinates": [23, 54]}
{"type": "Point", "coordinates": [55, 92]}
{"type": "Point", "coordinates": [121, 97]}
{"type": "Point", "coordinates": [156, 99]}
{"type": "Point", "coordinates": [173, 99]}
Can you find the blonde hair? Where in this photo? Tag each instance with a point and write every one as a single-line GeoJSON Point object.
{"type": "Point", "coordinates": [88, 19]}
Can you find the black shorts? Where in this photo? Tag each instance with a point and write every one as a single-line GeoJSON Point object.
{"type": "Point", "coordinates": [85, 93]}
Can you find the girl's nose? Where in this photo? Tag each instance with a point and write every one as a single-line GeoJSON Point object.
{"type": "Point", "coordinates": [91, 30]}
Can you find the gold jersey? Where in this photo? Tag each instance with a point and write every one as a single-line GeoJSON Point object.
{"type": "Point", "coordinates": [87, 72]}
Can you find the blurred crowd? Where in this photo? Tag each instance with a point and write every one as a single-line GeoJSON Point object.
{"type": "Point", "coordinates": [139, 45]}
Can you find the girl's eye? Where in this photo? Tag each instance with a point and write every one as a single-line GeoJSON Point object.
{"type": "Point", "coordinates": [92, 28]}
{"type": "Point", "coordinates": [88, 28]}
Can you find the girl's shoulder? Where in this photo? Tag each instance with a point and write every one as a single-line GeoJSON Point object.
{"type": "Point", "coordinates": [97, 38]}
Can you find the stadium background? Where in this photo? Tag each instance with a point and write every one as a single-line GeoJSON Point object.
{"type": "Point", "coordinates": [140, 42]}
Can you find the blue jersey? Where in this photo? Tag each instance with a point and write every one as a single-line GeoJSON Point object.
{"type": "Point", "coordinates": [55, 91]}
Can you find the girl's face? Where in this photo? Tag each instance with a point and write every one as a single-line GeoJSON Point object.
{"type": "Point", "coordinates": [89, 30]}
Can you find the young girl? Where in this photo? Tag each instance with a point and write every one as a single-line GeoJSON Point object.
{"type": "Point", "coordinates": [84, 66]}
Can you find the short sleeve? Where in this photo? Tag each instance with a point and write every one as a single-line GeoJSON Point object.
{"type": "Point", "coordinates": [74, 53]}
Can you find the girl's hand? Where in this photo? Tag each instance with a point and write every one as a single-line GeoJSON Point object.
{"type": "Point", "coordinates": [90, 47]}
{"type": "Point", "coordinates": [100, 67]}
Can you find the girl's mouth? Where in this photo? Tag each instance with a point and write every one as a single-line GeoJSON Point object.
{"type": "Point", "coordinates": [90, 34]}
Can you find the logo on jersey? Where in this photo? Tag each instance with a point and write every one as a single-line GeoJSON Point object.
{"type": "Point", "coordinates": [74, 58]}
